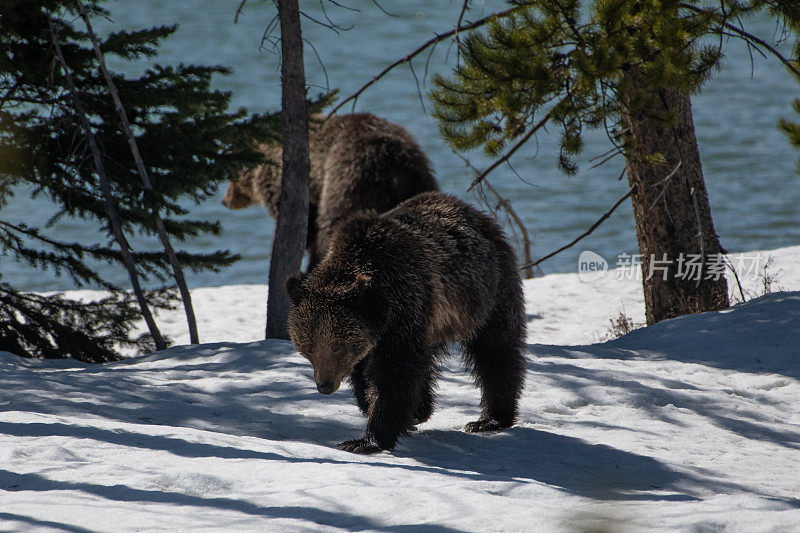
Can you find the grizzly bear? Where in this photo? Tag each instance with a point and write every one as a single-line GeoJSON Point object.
{"type": "Point", "coordinates": [358, 161]}
{"type": "Point", "coordinates": [391, 292]}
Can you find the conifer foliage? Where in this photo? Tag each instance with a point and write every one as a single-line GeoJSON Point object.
{"type": "Point", "coordinates": [189, 141]}
{"type": "Point", "coordinates": [628, 67]}
{"type": "Point", "coordinates": [570, 57]}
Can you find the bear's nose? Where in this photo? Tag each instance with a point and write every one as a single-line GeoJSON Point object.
{"type": "Point", "coordinates": [325, 387]}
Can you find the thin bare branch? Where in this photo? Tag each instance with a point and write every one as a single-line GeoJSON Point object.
{"type": "Point", "coordinates": [383, 8]}
{"type": "Point", "coordinates": [330, 25]}
{"type": "Point", "coordinates": [330, 20]}
{"type": "Point", "coordinates": [408, 57]}
{"type": "Point", "coordinates": [321, 64]}
{"type": "Point", "coordinates": [6, 97]}
{"type": "Point", "coordinates": [735, 275]}
{"type": "Point", "coordinates": [268, 29]}
{"type": "Point", "coordinates": [339, 4]}
{"type": "Point", "coordinates": [464, 9]}
{"type": "Point", "coordinates": [517, 146]}
{"type": "Point", "coordinates": [585, 233]}
{"type": "Point", "coordinates": [506, 205]}
{"type": "Point", "coordinates": [238, 11]}
{"type": "Point", "coordinates": [607, 159]}
{"type": "Point", "coordinates": [747, 36]}
{"type": "Point", "coordinates": [419, 89]}
{"type": "Point", "coordinates": [526, 241]}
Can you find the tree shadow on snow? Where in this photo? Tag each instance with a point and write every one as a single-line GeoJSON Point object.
{"type": "Point", "coordinates": [12, 482]}
{"type": "Point", "coordinates": [745, 422]}
{"type": "Point", "coordinates": [251, 389]}
{"type": "Point", "coordinates": [31, 522]}
{"type": "Point", "coordinates": [761, 335]}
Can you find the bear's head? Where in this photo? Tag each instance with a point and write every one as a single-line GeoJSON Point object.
{"type": "Point", "coordinates": [237, 196]}
{"type": "Point", "coordinates": [330, 325]}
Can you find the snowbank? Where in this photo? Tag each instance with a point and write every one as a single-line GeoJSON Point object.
{"type": "Point", "coordinates": [691, 424]}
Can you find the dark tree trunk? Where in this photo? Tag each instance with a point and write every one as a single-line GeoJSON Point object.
{"type": "Point", "coordinates": [292, 221]}
{"type": "Point", "coordinates": [670, 205]}
{"type": "Point", "coordinates": [108, 201]}
{"type": "Point", "coordinates": [186, 297]}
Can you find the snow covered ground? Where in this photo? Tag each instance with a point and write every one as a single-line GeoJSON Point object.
{"type": "Point", "coordinates": [692, 424]}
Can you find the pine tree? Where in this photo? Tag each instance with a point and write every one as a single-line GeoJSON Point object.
{"type": "Point", "coordinates": [188, 139]}
{"type": "Point", "coordinates": [628, 66]}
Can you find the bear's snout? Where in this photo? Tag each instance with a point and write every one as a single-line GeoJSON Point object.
{"type": "Point", "coordinates": [235, 197]}
{"type": "Point", "coordinates": [326, 387]}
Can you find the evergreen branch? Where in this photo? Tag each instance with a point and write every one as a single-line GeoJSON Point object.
{"type": "Point", "coordinates": [539, 125]}
{"type": "Point", "coordinates": [33, 233]}
{"type": "Point", "coordinates": [106, 189]}
{"type": "Point", "coordinates": [585, 233]}
{"type": "Point", "coordinates": [437, 39]}
{"type": "Point", "coordinates": [162, 233]}
{"type": "Point", "coordinates": [748, 37]}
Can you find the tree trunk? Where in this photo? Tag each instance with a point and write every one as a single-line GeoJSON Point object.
{"type": "Point", "coordinates": [186, 297]}
{"type": "Point", "coordinates": [292, 221]}
{"type": "Point", "coordinates": [108, 201]}
{"type": "Point", "coordinates": [670, 205]}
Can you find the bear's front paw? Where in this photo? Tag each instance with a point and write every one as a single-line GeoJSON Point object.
{"type": "Point", "coordinates": [485, 424]}
{"type": "Point", "coordinates": [362, 446]}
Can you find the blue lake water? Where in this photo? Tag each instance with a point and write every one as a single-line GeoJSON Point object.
{"type": "Point", "coordinates": [750, 168]}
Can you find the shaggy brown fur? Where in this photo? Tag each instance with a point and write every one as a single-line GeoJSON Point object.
{"type": "Point", "coordinates": [358, 161]}
{"type": "Point", "coordinates": [391, 292]}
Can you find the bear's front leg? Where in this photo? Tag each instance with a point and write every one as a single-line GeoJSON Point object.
{"type": "Point", "coordinates": [360, 385]}
{"type": "Point", "coordinates": [395, 381]}
{"type": "Point", "coordinates": [389, 417]}
{"type": "Point", "coordinates": [363, 446]}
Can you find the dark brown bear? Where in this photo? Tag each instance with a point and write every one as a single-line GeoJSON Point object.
{"type": "Point", "coordinates": [358, 161]}
{"type": "Point", "coordinates": [391, 292]}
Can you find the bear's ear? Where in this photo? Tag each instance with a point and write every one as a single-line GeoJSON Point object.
{"type": "Point", "coordinates": [295, 289]}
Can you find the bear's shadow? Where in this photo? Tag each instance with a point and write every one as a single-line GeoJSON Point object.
{"type": "Point", "coordinates": [525, 455]}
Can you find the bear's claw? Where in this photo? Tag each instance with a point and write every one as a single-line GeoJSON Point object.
{"type": "Point", "coordinates": [362, 446]}
{"type": "Point", "coordinates": [485, 424]}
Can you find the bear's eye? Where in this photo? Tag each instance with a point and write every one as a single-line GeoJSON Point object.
{"type": "Point", "coordinates": [336, 348]}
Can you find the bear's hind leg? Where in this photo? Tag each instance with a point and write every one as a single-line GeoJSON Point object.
{"type": "Point", "coordinates": [425, 396]}
{"type": "Point", "coordinates": [495, 355]}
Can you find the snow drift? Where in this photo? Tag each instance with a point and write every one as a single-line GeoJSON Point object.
{"type": "Point", "coordinates": [691, 424]}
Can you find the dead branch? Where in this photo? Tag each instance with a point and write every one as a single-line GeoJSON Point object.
{"type": "Point", "coordinates": [438, 38]}
{"type": "Point", "coordinates": [162, 232]}
{"type": "Point", "coordinates": [108, 202]}
{"type": "Point", "coordinates": [238, 11]}
{"type": "Point", "coordinates": [505, 204]}
{"type": "Point", "coordinates": [526, 241]}
{"type": "Point", "coordinates": [536, 127]}
{"type": "Point", "coordinates": [749, 37]}
{"type": "Point", "coordinates": [464, 9]}
{"type": "Point", "coordinates": [735, 276]}
{"type": "Point", "coordinates": [585, 233]}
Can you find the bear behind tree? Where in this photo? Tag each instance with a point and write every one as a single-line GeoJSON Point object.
{"type": "Point", "coordinates": [358, 161]}
{"type": "Point", "coordinates": [391, 292]}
